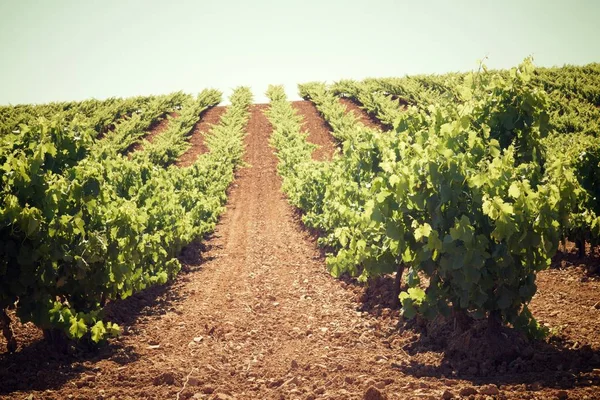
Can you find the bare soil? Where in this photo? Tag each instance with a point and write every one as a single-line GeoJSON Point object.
{"type": "Point", "coordinates": [319, 132]}
{"type": "Point", "coordinates": [208, 118]}
{"type": "Point", "coordinates": [155, 129]}
{"type": "Point", "coordinates": [111, 127]}
{"type": "Point", "coordinates": [255, 315]}
{"type": "Point", "coordinates": [365, 118]}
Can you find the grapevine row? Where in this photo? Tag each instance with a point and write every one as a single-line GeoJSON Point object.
{"type": "Point", "coordinates": [573, 118]}
{"type": "Point", "coordinates": [99, 115]}
{"type": "Point", "coordinates": [461, 193]}
{"type": "Point", "coordinates": [78, 232]}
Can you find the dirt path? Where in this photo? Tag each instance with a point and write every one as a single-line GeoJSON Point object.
{"type": "Point", "coordinates": [257, 316]}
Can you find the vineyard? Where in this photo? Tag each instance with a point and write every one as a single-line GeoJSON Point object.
{"type": "Point", "coordinates": [431, 236]}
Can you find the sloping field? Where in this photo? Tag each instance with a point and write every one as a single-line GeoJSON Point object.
{"type": "Point", "coordinates": [257, 251]}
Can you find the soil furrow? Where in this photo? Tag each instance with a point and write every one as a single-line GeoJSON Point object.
{"type": "Point", "coordinates": [362, 115]}
{"type": "Point", "coordinates": [155, 129]}
{"type": "Point", "coordinates": [208, 118]}
{"type": "Point", "coordinates": [318, 130]}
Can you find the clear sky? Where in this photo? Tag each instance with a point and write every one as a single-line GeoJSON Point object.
{"type": "Point", "coordinates": [76, 49]}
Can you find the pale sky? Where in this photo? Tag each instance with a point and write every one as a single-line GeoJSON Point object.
{"type": "Point", "coordinates": [72, 50]}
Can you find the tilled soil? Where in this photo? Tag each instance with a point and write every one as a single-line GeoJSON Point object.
{"type": "Point", "coordinates": [154, 130]}
{"type": "Point", "coordinates": [318, 130]}
{"type": "Point", "coordinates": [208, 118]}
{"type": "Point", "coordinates": [256, 316]}
{"type": "Point", "coordinates": [362, 116]}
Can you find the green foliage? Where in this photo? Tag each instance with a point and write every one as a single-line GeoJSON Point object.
{"type": "Point", "coordinates": [573, 117]}
{"type": "Point", "coordinates": [172, 143]}
{"type": "Point", "coordinates": [129, 131]}
{"type": "Point", "coordinates": [463, 193]}
{"type": "Point", "coordinates": [302, 177]}
{"type": "Point", "coordinates": [382, 105]}
{"type": "Point", "coordinates": [98, 115]}
{"type": "Point", "coordinates": [77, 230]}
{"type": "Point", "coordinates": [581, 152]}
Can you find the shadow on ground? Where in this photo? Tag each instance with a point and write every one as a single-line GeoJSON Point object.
{"type": "Point", "coordinates": [555, 363]}
{"type": "Point", "coordinates": [41, 366]}
{"type": "Point", "coordinates": [590, 262]}
{"type": "Point", "coordinates": [436, 350]}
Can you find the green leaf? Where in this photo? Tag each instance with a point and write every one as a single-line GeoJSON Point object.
{"type": "Point", "coordinates": [433, 241]}
{"type": "Point", "coordinates": [505, 298]}
{"type": "Point", "coordinates": [32, 226]}
{"type": "Point", "coordinates": [408, 309]}
{"type": "Point", "coordinates": [514, 191]}
{"type": "Point", "coordinates": [394, 179]}
{"type": "Point", "coordinates": [360, 245]}
{"type": "Point", "coordinates": [78, 222]}
{"type": "Point", "coordinates": [393, 230]}
{"type": "Point", "coordinates": [78, 328]}
{"type": "Point", "coordinates": [417, 294]}
{"type": "Point", "coordinates": [113, 329]}
{"type": "Point", "coordinates": [98, 331]}
{"type": "Point", "coordinates": [422, 231]}
{"type": "Point", "coordinates": [381, 196]}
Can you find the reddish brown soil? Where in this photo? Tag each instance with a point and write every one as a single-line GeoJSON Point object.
{"type": "Point", "coordinates": [401, 101]}
{"type": "Point", "coordinates": [362, 115]}
{"type": "Point", "coordinates": [319, 132]}
{"type": "Point", "coordinates": [572, 290]}
{"type": "Point", "coordinates": [256, 316]}
{"type": "Point", "coordinates": [208, 118]}
{"type": "Point", "coordinates": [107, 128]}
{"type": "Point", "coordinates": [568, 256]}
{"type": "Point", "coordinates": [155, 129]}
{"type": "Point", "coordinates": [111, 127]}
